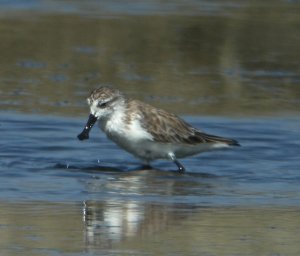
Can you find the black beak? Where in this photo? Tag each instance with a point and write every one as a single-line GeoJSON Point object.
{"type": "Point", "coordinates": [84, 135]}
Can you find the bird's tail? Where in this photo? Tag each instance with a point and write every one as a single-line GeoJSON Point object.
{"type": "Point", "coordinates": [216, 139]}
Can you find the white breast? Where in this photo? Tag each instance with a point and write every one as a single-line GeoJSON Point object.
{"type": "Point", "coordinates": [127, 136]}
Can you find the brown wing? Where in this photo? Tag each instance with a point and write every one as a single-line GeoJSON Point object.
{"type": "Point", "coordinates": [169, 128]}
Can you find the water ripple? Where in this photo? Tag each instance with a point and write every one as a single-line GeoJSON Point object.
{"type": "Point", "coordinates": [42, 159]}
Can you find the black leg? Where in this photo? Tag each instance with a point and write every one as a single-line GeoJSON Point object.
{"type": "Point", "coordinates": [181, 168]}
{"type": "Point", "coordinates": [172, 156]}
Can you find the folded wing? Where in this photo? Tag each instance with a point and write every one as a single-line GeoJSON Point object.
{"type": "Point", "coordinates": [169, 128]}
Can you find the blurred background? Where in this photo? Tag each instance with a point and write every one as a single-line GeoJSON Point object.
{"type": "Point", "coordinates": [193, 57]}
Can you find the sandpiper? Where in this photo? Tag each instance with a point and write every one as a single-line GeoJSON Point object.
{"type": "Point", "coordinates": [147, 132]}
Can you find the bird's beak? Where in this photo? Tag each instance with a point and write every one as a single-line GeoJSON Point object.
{"type": "Point", "coordinates": [84, 135]}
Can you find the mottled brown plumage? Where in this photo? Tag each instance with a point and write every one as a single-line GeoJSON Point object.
{"type": "Point", "coordinates": [104, 93]}
{"type": "Point", "coordinates": [166, 127]}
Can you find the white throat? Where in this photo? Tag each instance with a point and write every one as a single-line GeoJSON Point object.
{"type": "Point", "coordinates": [115, 121]}
{"type": "Point", "coordinates": [123, 133]}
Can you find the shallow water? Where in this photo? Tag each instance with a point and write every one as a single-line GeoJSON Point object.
{"type": "Point", "coordinates": [136, 228]}
{"type": "Point", "coordinates": [42, 159]}
{"type": "Point", "coordinates": [230, 68]}
{"type": "Point", "coordinates": [62, 196]}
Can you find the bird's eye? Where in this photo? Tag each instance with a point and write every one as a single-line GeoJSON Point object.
{"type": "Point", "coordinates": [102, 104]}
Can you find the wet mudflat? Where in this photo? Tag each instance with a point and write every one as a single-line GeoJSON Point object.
{"type": "Point", "coordinates": [229, 68]}
{"type": "Point", "coordinates": [136, 228]}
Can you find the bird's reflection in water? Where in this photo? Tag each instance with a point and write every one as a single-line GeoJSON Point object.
{"type": "Point", "coordinates": [111, 222]}
{"type": "Point", "coordinates": [139, 205]}
{"type": "Point", "coordinates": [154, 183]}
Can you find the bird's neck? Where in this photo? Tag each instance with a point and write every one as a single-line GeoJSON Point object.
{"type": "Point", "coordinates": [114, 122]}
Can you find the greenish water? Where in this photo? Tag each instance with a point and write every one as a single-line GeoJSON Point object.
{"type": "Point", "coordinates": [233, 58]}
{"type": "Point", "coordinates": [228, 67]}
{"type": "Point", "coordinates": [131, 228]}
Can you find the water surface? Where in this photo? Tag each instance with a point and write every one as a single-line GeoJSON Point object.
{"type": "Point", "coordinates": [230, 68]}
{"type": "Point", "coordinates": [63, 196]}
{"type": "Point", "coordinates": [43, 159]}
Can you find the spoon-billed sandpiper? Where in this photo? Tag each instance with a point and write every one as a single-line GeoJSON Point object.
{"type": "Point", "coordinates": [147, 132]}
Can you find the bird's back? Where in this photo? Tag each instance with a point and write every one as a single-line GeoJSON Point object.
{"type": "Point", "coordinates": [166, 127]}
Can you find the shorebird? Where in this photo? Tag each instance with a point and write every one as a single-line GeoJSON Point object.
{"type": "Point", "coordinates": [147, 132]}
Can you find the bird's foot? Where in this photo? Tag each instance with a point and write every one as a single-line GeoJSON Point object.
{"type": "Point", "coordinates": [181, 168]}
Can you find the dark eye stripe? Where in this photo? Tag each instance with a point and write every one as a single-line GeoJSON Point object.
{"type": "Point", "coordinates": [102, 104]}
{"type": "Point", "coordinates": [105, 104]}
